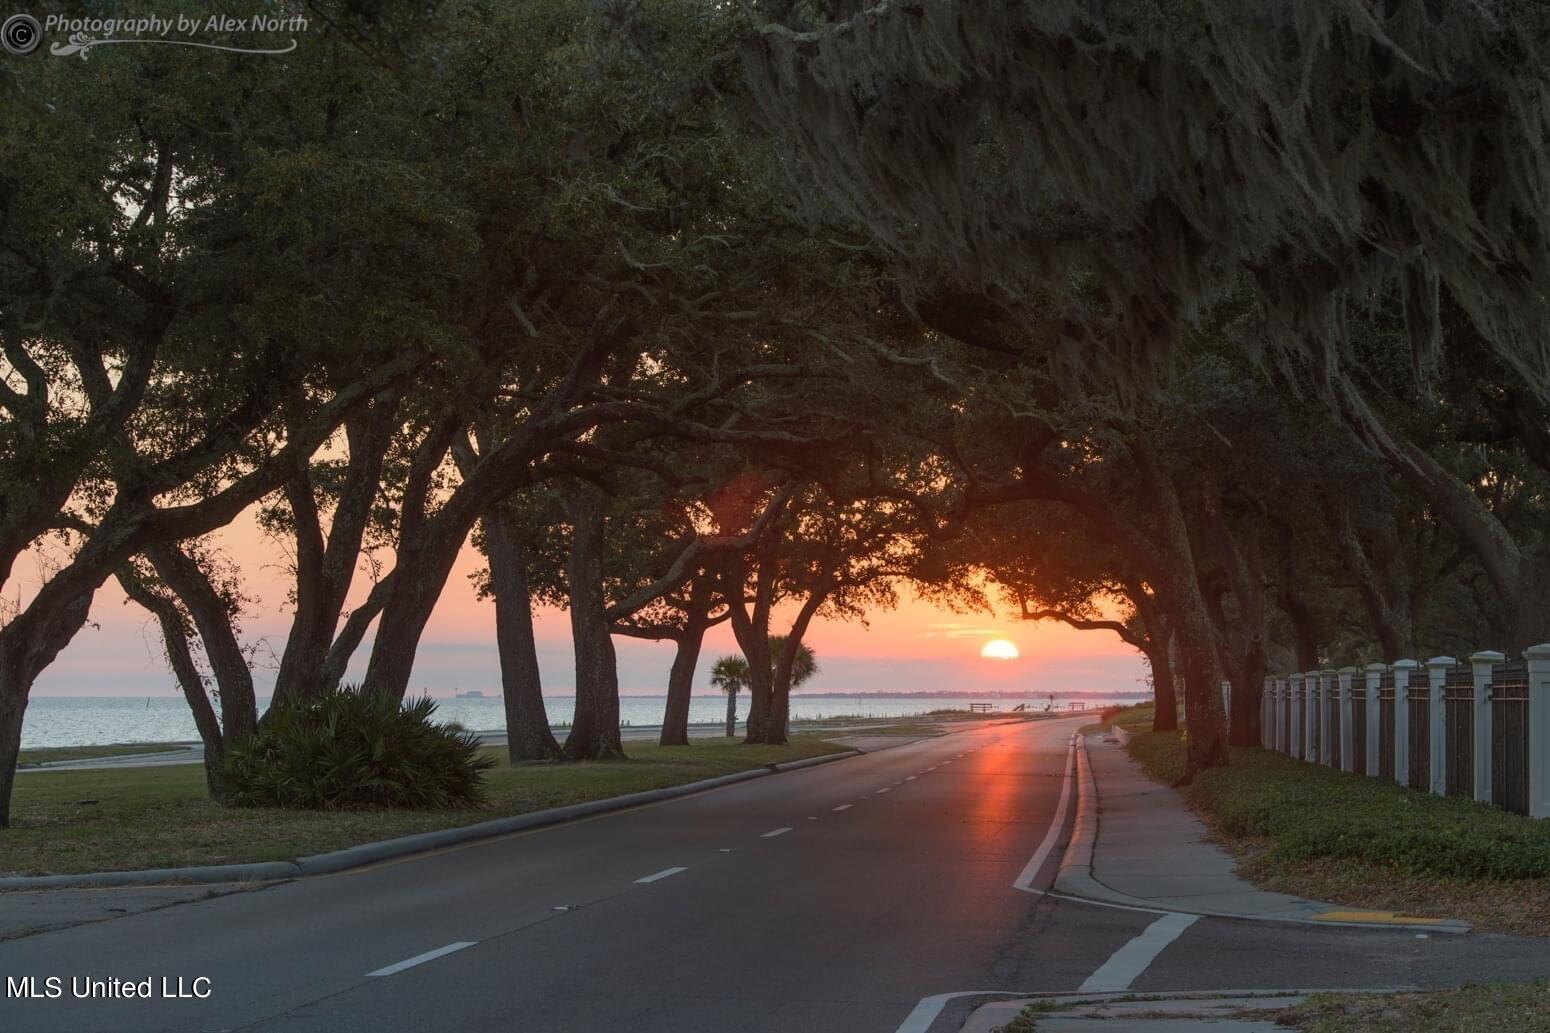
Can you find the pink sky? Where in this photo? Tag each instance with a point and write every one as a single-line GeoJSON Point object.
{"type": "Point", "coordinates": [915, 648]}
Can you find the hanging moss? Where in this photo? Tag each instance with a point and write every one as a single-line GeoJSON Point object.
{"type": "Point", "coordinates": [1166, 152]}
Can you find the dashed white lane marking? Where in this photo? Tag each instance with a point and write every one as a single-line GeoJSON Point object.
{"type": "Point", "coordinates": [1132, 959]}
{"type": "Point", "coordinates": [844, 807]}
{"type": "Point", "coordinates": [776, 832]}
{"type": "Point", "coordinates": [911, 778]}
{"type": "Point", "coordinates": [812, 817]}
{"type": "Point", "coordinates": [885, 789]}
{"type": "Point", "coordinates": [664, 873]}
{"type": "Point", "coordinates": [420, 959]}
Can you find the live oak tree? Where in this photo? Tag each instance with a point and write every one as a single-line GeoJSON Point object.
{"type": "Point", "coordinates": [169, 329]}
{"type": "Point", "coordinates": [1023, 160]}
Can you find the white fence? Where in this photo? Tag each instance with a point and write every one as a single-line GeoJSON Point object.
{"type": "Point", "coordinates": [1477, 729]}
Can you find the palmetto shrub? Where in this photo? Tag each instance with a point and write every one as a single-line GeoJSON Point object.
{"type": "Point", "coordinates": [355, 749]}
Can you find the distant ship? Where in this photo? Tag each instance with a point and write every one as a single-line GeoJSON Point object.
{"type": "Point", "coordinates": [475, 694]}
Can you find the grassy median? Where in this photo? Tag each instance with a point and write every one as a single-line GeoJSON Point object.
{"type": "Point", "coordinates": [110, 820]}
{"type": "Point", "coordinates": [1306, 829]}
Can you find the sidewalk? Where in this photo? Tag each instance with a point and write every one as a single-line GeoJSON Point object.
{"type": "Point", "coordinates": [1076, 1013]}
{"type": "Point", "coordinates": [1137, 843]}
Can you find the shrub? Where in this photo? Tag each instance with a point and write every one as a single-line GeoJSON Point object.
{"type": "Point", "coordinates": [1308, 812]}
{"type": "Point", "coordinates": [355, 749]}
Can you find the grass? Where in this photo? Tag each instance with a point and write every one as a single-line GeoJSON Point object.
{"type": "Point", "coordinates": [1307, 829]}
{"type": "Point", "coordinates": [43, 755]}
{"type": "Point", "coordinates": [1520, 1007]}
{"type": "Point", "coordinates": [109, 820]}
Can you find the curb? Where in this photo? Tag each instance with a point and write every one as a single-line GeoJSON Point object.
{"type": "Point", "coordinates": [1075, 876]}
{"type": "Point", "coordinates": [404, 846]}
{"type": "Point", "coordinates": [1121, 733]}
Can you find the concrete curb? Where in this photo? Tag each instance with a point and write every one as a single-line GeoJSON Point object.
{"type": "Point", "coordinates": [404, 846]}
{"type": "Point", "coordinates": [1075, 876]}
{"type": "Point", "coordinates": [1122, 734]}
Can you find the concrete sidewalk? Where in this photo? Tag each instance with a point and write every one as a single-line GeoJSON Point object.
{"type": "Point", "coordinates": [1137, 843]}
{"type": "Point", "coordinates": [1074, 1013]}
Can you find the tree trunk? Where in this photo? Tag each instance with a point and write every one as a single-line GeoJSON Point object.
{"type": "Point", "coordinates": [680, 682]}
{"type": "Point", "coordinates": [1247, 688]}
{"type": "Point", "coordinates": [528, 735]}
{"type": "Point", "coordinates": [212, 616]}
{"type": "Point", "coordinates": [1166, 717]}
{"type": "Point", "coordinates": [752, 631]}
{"type": "Point", "coordinates": [28, 645]}
{"type": "Point", "coordinates": [1206, 745]}
{"type": "Point", "coordinates": [180, 657]}
{"type": "Point", "coordinates": [731, 712]}
{"type": "Point", "coordinates": [594, 733]}
{"type": "Point", "coordinates": [325, 569]}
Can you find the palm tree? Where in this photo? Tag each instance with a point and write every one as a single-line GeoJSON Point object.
{"type": "Point", "coordinates": [803, 666]}
{"type": "Point", "coordinates": [730, 675]}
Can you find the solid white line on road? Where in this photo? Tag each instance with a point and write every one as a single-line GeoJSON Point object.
{"type": "Point", "coordinates": [1131, 960]}
{"type": "Point", "coordinates": [1024, 880]}
{"type": "Point", "coordinates": [420, 959]}
{"type": "Point", "coordinates": [920, 1019]}
{"type": "Point", "coordinates": [844, 807]}
{"type": "Point", "coordinates": [777, 832]}
{"type": "Point", "coordinates": [664, 873]}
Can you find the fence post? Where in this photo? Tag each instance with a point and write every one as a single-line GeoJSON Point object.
{"type": "Point", "coordinates": [1265, 728]}
{"type": "Point", "coordinates": [1283, 742]}
{"type": "Point", "coordinates": [1538, 659]}
{"type": "Point", "coordinates": [1347, 722]}
{"type": "Point", "coordinates": [1226, 690]}
{"type": "Point", "coordinates": [1482, 665]}
{"type": "Point", "coordinates": [1374, 674]}
{"type": "Point", "coordinates": [1437, 714]}
{"type": "Point", "coordinates": [1294, 721]}
{"type": "Point", "coordinates": [1310, 716]}
{"type": "Point", "coordinates": [1329, 686]}
{"type": "Point", "coordinates": [1402, 669]}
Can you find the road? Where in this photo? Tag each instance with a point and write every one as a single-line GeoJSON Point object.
{"type": "Point", "coordinates": [835, 898]}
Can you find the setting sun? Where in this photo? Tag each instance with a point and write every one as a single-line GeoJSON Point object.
{"type": "Point", "coordinates": [999, 649]}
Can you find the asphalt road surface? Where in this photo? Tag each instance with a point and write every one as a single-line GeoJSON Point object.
{"type": "Point", "coordinates": [851, 897]}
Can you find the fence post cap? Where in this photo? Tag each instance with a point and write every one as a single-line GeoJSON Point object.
{"type": "Point", "coordinates": [1407, 664]}
{"type": "Point", "coordinates": [1329, 670]}
{"type": "Point", "coordinates": [1311, 674]}
{"type": "Point", "coordinates": [1375, 666]}
{"type": "Point", "coordinates": [1348, 670]}
{"type": "Point", "coordinates": [1487, 656]}
{"type": "Point", "coordinates": [1539, 652]}
{"type": "Point", "coordinates": [1438, 661]}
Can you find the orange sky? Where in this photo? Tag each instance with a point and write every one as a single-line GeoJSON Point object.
{"type": "Point", "coordinates": [915, 648]}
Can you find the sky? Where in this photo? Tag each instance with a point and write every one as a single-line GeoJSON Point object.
{"type": "Point", "coordinates": [915, 648]}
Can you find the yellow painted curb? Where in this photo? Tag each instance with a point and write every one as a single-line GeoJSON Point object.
{"type": "Point", "coordinates": [1377, 917]}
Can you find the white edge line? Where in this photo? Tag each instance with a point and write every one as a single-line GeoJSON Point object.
{"type": "Point", "coordinates": [420, 959]}
{"type": "Point", "coordinates": [1024, 880]}
{"type": "Point", "coordinates": [1126, 964]}
{"type": "Point", "coordinates": [924, 1014]}
{"type": "Point", "coordinates": [664, 873]}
